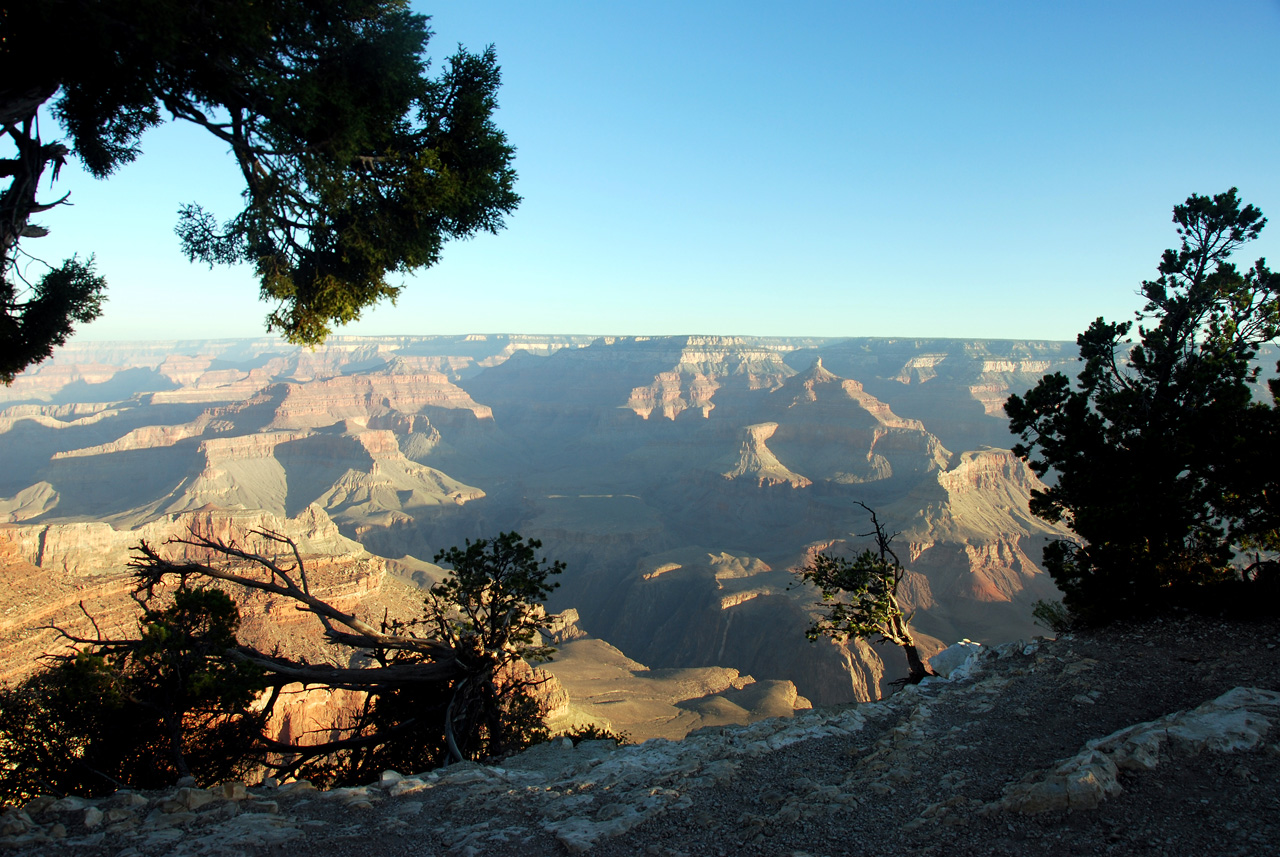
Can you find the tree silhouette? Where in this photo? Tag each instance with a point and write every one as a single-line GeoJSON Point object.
{"type": "Point", "coordinates": [138, 713]}
{"type": "Point", "coordinates": [186, 697]}
{"type": "Point", "coordinates": [357, 165]}
{"type": "Point", "coordinates": [861, 597]}
{"type": "Point", "coordinates": [1160, 460]}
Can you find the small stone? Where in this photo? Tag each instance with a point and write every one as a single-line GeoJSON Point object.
{"type": "Point", "coordinates": [127, 798]}
{"type": "Point", "coordinates": [37, 805]}
{"type": "Point", "coordinates": [270, 783]}
{"type": "Point", "coordinates": [232, 791]}
{"type": "Point", "coordinates": [186, 782]}
{"type": "Point", "coordinates": [116, 815]}
{"type": "Point", "coordinates": [360, 804]}
{"type": "Point", "coordinates": [409, 785]}
{"type": "Point", "coordinates": [92, 817]}
{"type": "Point", "coordinates": [268, 807]}
{"type": "Point", "coordinates": [58, 831]}
{"type": "Point", "coordinates": [68, 804]}
{"type": "Point", "coordinates": [389, 779]}
{"type": "Point", "coordinates": [15, 823]}
{"type": "Point", "coordinates": [1081, 699]}
{"type": "Point", "coordinates": [193, 798]}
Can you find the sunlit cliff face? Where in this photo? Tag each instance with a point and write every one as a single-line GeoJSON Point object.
{"type": "Point", "coordinates": [624, 456]}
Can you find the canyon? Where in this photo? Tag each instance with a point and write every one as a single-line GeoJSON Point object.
{"type": "Point", "coordinates": [680, 478]}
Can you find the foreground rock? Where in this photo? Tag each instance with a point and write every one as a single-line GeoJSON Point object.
{"type": "Point", "coordinates": [1156, 749]}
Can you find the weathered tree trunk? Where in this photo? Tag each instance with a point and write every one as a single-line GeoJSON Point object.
{"type": "Point", "coordinates": [917, 667]}
{"type": "Point", "coordinates": [917, 670]}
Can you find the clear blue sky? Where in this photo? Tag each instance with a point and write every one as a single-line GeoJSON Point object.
{"type": "Point", "coordinates": [918, 168]}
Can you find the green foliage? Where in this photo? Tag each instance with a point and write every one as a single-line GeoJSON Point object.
{"type": "Point", "coordinates": [34, 321]}
{"type": "Point", "coordinates": [136, 713]}
{"type": "Point", "coordinates": [491, 605]}
{"type": "Point", "coordinates": [489, 611]}
{"type": "Point", "coordinates": [860, 597]}
{"type": "Point", "coordinates": [1160, 460]}
{"type": "Point", "coordinates": [357, 165]}
{"type": "Point", "coordinates": [186, 697]}
{"type": "Point", "coordinates": [859, 594]}
{"type": "Point", "coordinates": [454, 683]}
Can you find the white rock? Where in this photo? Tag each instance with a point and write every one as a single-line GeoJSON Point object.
{"type": "Point", "coordinates": [958, 661]}
{"type": "Point", "coordinates": [1231, 723]}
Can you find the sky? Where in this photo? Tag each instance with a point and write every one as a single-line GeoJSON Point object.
{"type": "Point", "coordinates": [923, 168]}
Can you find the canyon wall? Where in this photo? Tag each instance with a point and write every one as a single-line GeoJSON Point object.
{"type": "Point", "coordinates": [681, 478]}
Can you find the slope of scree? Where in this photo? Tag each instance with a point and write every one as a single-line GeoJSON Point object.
{"type": "Point", "coordinates": [939, 769]}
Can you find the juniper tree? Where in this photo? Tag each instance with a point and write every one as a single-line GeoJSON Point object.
{"type": "Point", "coordinates": [139, 712]}
{"type": "Point", "coordinates": [860, 597]}
{"type": "Point", "coordinates": [357, 164]}
{"type": "Point", "coordinates": [1160, 459]}
{"type": "Point", "coordinates": [186, 696]}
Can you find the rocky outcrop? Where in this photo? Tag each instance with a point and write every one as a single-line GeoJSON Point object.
{"type": "Point", "coordinates": [579, 798]}
{"type": "Point", "coordinates": [756, 463]}
{"type": "Point", "coordinates": [31, 502]}
{"type": "Point", "coordinates": [605, 687]}
{"type": "Point", "coordinates": [1235, 722]}
{"type": "Point", "coordinates": [51, 570]}
{"type": "Point", "coordinates": [325, 402]}
{"type": "Point", "coordinates": [611, 452]}
{"type": "Point", "coordinates": [830, 429]}
{"type": "Point", "coordinates": [696, 608]}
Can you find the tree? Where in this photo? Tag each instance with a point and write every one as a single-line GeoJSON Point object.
{"type": "Point", "coordinates": [489, 611]}
{"type": "Point", "coordinates": [452, 684]}
{"type": "Point", "coordinates": [1160, 461]}
{"type": "Point", "coordinates": [186, 697]}
{"type": "Point", "coordinates": [138, 713]}
{"type": "Point", "coordinates": [357, 165]}
{"type": "Point", "coordinates": [862, 597]}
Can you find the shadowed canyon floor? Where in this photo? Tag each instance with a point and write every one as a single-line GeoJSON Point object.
{"type": "Point", "coordinates": [943, 769]}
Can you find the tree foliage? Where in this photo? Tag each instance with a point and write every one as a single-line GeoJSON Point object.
{"type": "Point", "coordinates": [138, 713]}
{"type": "Point", "coordinates": [1159, 459]}
{"type": "Point", "coordinates": [861, 597]}
{"type": "Point", "coordinates": [33, 324]}
{"type": "Point", "coordinates": [187, 697]}
{"type": "Point", "coordinates": [357, 165]}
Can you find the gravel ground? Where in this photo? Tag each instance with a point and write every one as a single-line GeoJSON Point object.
{"type": "Point", "coordinates": [912, 781]}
